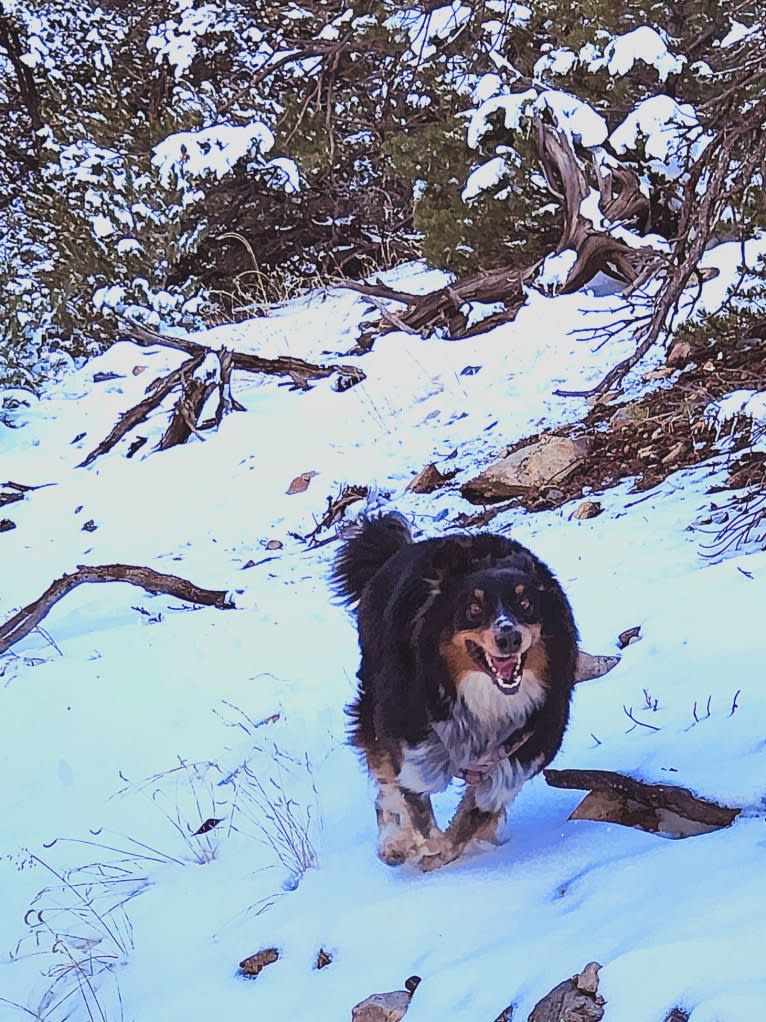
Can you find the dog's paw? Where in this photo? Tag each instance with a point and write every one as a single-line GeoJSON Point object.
{"type": "Point", "coordinates": [393, 854]}
{"type": "Point", "coordinates": [427, 863]}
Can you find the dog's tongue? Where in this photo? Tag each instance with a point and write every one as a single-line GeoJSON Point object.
{"type": "Point", "coordinates": [504, 666]}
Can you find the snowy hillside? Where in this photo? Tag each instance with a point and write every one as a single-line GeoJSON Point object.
{"type": "Point", "coordinates": [128, 720]}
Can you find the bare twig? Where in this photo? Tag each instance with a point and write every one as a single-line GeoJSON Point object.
{"type": "Point", "coordinates": [636, 722]}
{"type": "Point", "coordinates": [29, 617]}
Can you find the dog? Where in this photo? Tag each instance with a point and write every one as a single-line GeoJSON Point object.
{"type": "Point", "coordinates": [468, 661]}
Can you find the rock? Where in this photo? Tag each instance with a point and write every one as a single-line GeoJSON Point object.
{"type": "Point", "coordinates": [6, 524]}
{"type": "Point", "coordinates": [323, 959]}
{"type": "Point", "coordinates": [587, 981]}
{"type": "Point", "coordinates": [574, 1000]}
{"type": "Point", "coordinates": [547, 461]}
{"type": "Point", "coordinates": [588, 509]}
{"type": "Point", "coordinates": [658, 374]}
{"type": "Point", "coordinates": [679, 354]}
{"type": "Point", "coordinates": [427, 480]}
{"type": "Point", "coordinates": [590, 666]}
{"type": "Point", "coordinates": [389, 1007]}
{"type": "Point", "coordinates": [255, 964]}
{"type": "Point", "coordinates": [622, 418]}
{"type": "Point", "coordinates": [506, 1015]}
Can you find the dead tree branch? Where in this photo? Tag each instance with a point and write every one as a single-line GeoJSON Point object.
{"type": "Point", "coordinates": [737, 151]}
{"type": "Point", "coordinates": [157, 391]}
{"type": "Point", "coordinates": [29, 617]}
{"type": "Point", "coordinates": [195, 389]}
{"type": "Point", "coordinates": [596, 250]}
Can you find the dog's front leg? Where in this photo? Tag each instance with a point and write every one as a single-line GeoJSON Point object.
{"type": "Point", "coordinates": [469, 823]}
{"type": "Point", "coordinates": [407, 828]}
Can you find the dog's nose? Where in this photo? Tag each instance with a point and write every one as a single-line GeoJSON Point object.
{"type": "Point", "coordinates": [508, 638]}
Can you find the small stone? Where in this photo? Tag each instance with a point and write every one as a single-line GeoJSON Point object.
{"type": "Point", "coordinates": [588, 509]}
{"type": "Point", "coordinates": [253, 965]}
{"type": "Point", "coordinates": [6, 524]}
{"type": "Point", "coordinates": [390, 1007]}
{"type": "Point", "coordinates": [323, 959]}
{"type": "Point", "coordinates": [274, 544]}
{"type": "Point", "coordinates": [427, 480]}
{"type": "Point", "coordinates": [621, 418]}
{"type": "Point", "coordinates": [590, 666]}
{"type": "Point", "coordinates": [658, 374]}
{"type": "Point", "coordinates": [679, 354]}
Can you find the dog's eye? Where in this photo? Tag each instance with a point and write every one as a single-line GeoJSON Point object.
{"type": "Point", "coordinates": [473, 612]}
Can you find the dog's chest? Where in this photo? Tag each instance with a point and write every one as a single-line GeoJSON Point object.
{"type": "Point", "coordinates": [481, 719]}
{"type": "Point", "coordinates": [483, 716]}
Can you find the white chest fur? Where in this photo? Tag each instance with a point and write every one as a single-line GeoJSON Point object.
{"type": "Point", "coordinates": [481, 719]}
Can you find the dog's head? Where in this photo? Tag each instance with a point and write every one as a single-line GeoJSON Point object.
{"type": "Point", "coordinates": [497, 622]}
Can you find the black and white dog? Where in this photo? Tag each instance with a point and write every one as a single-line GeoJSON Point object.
{"type": "Point", "coordinates": [469, 653]}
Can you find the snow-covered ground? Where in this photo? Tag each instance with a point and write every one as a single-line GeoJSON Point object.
{"type": "Point", "coordinates": [129, 720]}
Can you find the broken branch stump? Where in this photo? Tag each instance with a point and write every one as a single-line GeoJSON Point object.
{"type": "Point", "coordinates": [29, 617]}
{"type": "Point", "coordinates": [658, 808]}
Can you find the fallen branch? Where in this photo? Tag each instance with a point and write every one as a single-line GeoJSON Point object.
{"type": "Point", "coordinates": [157, 391]}
{"type": "Point", "coordinates": [595, 250]}
{"type": "Point", "coordinates": [29, 617]}
{"type": "Point", "coordinates": [283, 365]}
{"type": "Point", "coordinates": [659, 808]}
{"type": "Point", "coordinates": [196, 389]}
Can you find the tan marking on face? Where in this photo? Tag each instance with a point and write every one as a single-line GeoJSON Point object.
{"type": "Point", "coordinates": [455, 655]}
{"type": "Point", "coordinates": [519, 589]}
{"type": "Point", "coordinates": [537, 659]}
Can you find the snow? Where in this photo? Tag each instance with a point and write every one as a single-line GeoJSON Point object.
{"type": "Point", "coordinates": [671, 134]}
{"type": "Point", "coordinates": [555, 270]}
{"type": "Point", "coordinates": [576, 119]}
{"type": "Point", "coordinates": [643, 44]}
{"type": "Point", "coordinates": [128, 719]}
{"type": "Point", "coordinates": [489, 175]}
{"type": "Point", "coordinates": [212, 150]}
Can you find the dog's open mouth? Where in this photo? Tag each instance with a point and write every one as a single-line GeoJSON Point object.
{"type": "Point", "coordinates": [505, 671]}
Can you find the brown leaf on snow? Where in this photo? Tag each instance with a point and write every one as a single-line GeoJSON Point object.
{"type": "Point", "coordinates": [624, 639]}
{"type": "Point", "coordinates": [137, 370]}
{"type": "Point", "coordinates": [301, 482]}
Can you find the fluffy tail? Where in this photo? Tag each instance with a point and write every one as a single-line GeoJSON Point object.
{"type": "Point", "coordinates": [365, 553]}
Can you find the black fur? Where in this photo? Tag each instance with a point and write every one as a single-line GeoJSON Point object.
{"type": "Point", "coordinates": [406, 594]}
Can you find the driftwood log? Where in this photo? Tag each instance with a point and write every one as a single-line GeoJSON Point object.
{"type": "Point", "coordinates": [29, 617]}
{"type": "Point", "coordinates": [658, 808]}
{"type": "Point", "coordinates": [204, 371]}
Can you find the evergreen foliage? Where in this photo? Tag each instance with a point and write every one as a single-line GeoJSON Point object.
{"type": "Point", "coordinates": [159, 158]}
